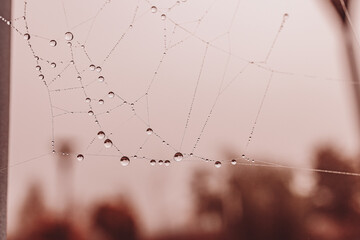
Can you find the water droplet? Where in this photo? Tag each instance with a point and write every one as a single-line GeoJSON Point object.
{"type": "Point", "coordinates": [191, 154]}
{"type": "Point", "coordinates": [233, 162]}
{"type": "Point", "coordinates": [27, 36]}
{"type": "Point", "coordinates": [69, 44]}
{"type": "Point", "coordinates": [98, 69]}
{"type": "Point", "coordinates": [152, 162]}
{"type": "Point", "coordinates": [41, 77]}
{"type": "Point", "coordinates": [80, 157]}
{"type": "Point", "coordinates": [167, 163]}
{"type": "Point", "coordinates": [83, 46]}
{"type": "Point", "coordinates": [161, 162]}
{"type": "Point", "coordinates": [38, 68]}
{"type": "Point", "coordinates": [217, 164]}
{"type": "Point", "coordinates": [135, 157]}
{"type": "Point", "coordinates": [111, 94]}
{"type": "Point", "coordinates": [108, 143]}
{"type": "Point", "coordinates": [149, 131]}
{"type": "Point", "coordinates": [69, 36]}
{"type": "Point", "coordinates": [87, 100]}
{"type": "Point", "coordinates": [243, 156]}
{"type": "Point", "coordinates": [286, 16]}
{"type": "Point", "coordinates": [53, 43]}
{"type": "Point", "coordinates": [91, 113]}
{"type": "Point", "coordinates": [101, 135]}
{"type": "Point", "coordinates": [125, 161]}
{"type": "Point", "coordinates": [72, 62]}
{"type": "Point", "coordinates": [101, 101]}
{"type": "Point", "coordinates": [53, 65]}
{"type": "Point", "coordinates": [92, 67]}
{"type": "Point", "coordinates": [163, 17]}
{"type": "Point", "coordinates": [101, 79]}
{"type": "Point", "coordinates": [78, 78]}
{"type": "Point", "coordinates": [178, 156]}
{"type": "Point", "coordinates": [153, 9]}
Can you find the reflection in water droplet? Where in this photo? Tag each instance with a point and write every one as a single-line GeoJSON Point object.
{"type": "Point", "coordinates": [111, 94]}
{"type": "Point", "coordinates": [217, 164]}
{"type": "Point", "coordinates": [149, 131]}
{"type": "Point", "coordinates": [69, 36]}
{"type": "Point", "coordinates": [153, 9]}
{"type": "Point", "coordinates": [178, 156]}
{"type": "Point", "coordinates": [26, 36]}
{"type": "Point", "coordinates": [108, 143]}
{"type": "Point", "coordinates": [53, 43]}
{"type": "Point", "coordinates": [80, 157]}
{"type": "Point", "coordinates": [125, 161]}
{"type": "Point", "coordinates": [101, 135]}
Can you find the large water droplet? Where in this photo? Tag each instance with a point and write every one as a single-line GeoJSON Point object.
{"type": "Point", "coordinates": [125, 161]}
{"type": "Point", "coordinates": [53, 43]}
{"type": "Point", "coordinates": [27, 36]}
{"type": "Point", "coordinates": [217, 164]}
{"type": "Point", "coordinates": [101, 135]}
{"type": "Point", "coordinates": [80, 157]}
{"type": "Point", "coordinates": [178, 156]}
{"type": "Point", "coordinates": [69, 36]}
{"type": "Point", "coordinates": [108, 143]}
{"type": "Point", "coordinates": [153, 9]}
{"type": "Point", "coordinates": [149, 131]}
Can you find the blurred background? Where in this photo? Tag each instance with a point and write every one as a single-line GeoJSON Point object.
{"type": "Point", "coordinates": [308, 119]}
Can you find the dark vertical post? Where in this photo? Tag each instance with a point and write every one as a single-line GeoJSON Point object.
{"type": "Point", "coordinates": [5, 11]}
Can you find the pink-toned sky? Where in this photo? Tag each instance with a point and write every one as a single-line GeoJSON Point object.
{"type": "Point", "coordinates": [299, 113]}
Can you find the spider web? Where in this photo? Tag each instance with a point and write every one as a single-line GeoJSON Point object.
{"type": "Point", "coordinates": [147, 83]}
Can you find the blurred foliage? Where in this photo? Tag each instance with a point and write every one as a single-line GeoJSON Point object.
{"type": "Point", "coordinates": [251, 203]}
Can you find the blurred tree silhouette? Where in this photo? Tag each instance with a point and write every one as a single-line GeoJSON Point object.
{"type": "Point", "coordinates": [114, 221]}
{"type": "Point", "coordinates": [251, 204]}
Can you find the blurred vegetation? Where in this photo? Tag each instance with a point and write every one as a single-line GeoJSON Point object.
{"type": "Point", "coordinates": [252, 203]}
